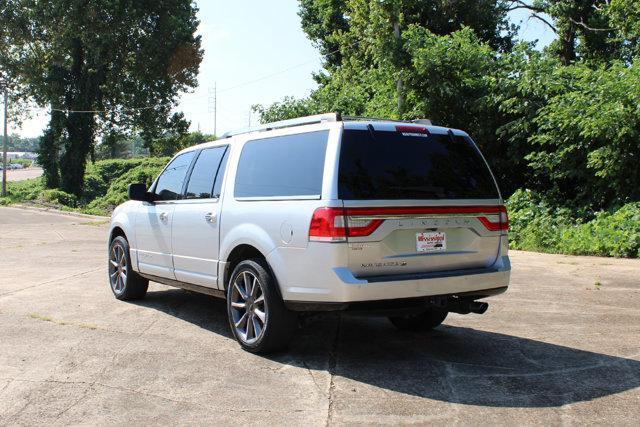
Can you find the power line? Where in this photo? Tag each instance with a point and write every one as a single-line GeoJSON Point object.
{"type": "Point", "coordinates": [268, 76]}
{"type": "Point", "coordinates": [227, 89]}
{"type": "Point", "coordinates": [99, 111]}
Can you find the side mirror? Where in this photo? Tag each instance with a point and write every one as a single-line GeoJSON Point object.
{"type": "Point", "coordinates": [139, 192]}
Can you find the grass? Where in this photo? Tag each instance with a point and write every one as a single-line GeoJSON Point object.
{"type": "Point", "coordinates": [42, 318]}
{"type": "Point", "coordinates": [95, 223]}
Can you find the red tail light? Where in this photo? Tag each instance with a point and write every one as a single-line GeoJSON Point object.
{"type": "Point", "coordinates": [328, 225]}
{"type": "Point", "coordinates": [412, 130]}
{"type": "Point", "coordinates": [336, 224]}
{"type": "Point", "coordinates": [497, 222]}
{"type": "Point", "coordinates": [332, 225]}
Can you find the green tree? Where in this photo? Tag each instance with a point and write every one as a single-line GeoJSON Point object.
{"type": "Point", "coordinates": [127, 58]}
{"type": "Point", "coordinates": [288, 108]}
{"type": "Point", "coordinates": [587, 138]}
{"type": "Point", "coordinates": [16, 143]}
{"type": "Point", "coordinates": [592, 30]}
{"type": "Point", "coordinates": [170, 143]}
{"type": "Point", "coordinates": [366, 59]}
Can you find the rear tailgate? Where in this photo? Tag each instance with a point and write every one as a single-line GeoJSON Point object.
{"type": "Point", "coordinates": [417, 201]}
{"type": "Point", "coordinates": [422, 239]}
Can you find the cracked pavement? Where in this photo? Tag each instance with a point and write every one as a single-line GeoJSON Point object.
{"type": "Point", "coordinates": [557, 348]}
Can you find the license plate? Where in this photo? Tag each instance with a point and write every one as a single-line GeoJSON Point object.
{"type": "Point", "coordinates": [434, 241]}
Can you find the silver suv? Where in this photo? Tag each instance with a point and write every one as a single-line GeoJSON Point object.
{"type": "Point", "coordinates": [321, 213]}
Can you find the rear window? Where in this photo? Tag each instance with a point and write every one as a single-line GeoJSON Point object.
{"type": "Point", "coordinates": [282, 166]}
{"type": "Point", "coordinates": [393, 166]}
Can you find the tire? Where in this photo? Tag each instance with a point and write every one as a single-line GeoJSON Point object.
{"type": "Point", "coordinates": [125, 283]}
{"type": "Point", "coordinates": [266, 325]}
{"type": "Point", "coordinates": [425, 321]}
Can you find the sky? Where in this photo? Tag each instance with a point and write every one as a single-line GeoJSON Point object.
{"type": "Point", "coordinates": [256, 53]}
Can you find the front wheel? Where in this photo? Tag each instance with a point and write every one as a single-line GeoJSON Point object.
{"type": "Point", "coordinates": [257, 316]}
{"type": "Point", "coordinates": [424, 321]}
{"type": "Point", "coordinates": [125, 283]}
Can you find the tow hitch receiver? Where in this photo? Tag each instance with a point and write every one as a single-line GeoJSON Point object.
{"type": "Point", "coordinates": [459, 305]}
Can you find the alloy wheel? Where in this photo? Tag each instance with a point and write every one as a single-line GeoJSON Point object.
{"type": "Point", "coordinates": [248, 307]}
{"type": "Point", "coordinates": [117, 269]}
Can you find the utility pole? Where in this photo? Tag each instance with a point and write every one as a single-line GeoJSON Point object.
{"type": "Point", "coordinates": [3, 86]}
{"type": "Point", "coordinates": [215, 109]}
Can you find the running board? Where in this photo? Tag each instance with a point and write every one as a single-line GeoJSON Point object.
{"type": "Point", "coordinates": [183, 285]}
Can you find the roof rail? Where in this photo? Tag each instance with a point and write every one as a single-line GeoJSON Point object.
{"type": "Point", "coordinates": [373, 119]}
{"type": "Point", "coordinates": [376, 119]}
{"type": "Point", "coordinates": [318, 118]}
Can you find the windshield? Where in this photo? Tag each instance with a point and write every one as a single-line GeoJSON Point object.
{"type": "Point", "coordinates": [394, 166]}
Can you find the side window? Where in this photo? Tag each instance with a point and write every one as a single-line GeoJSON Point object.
{"type": "Point", "coordinates": [169, 185]}
{"type": "Point", "coordinates": [282, 166]}
{"type": "Point", "coordinates": [217, 188]}
{"type": "Point", "coordinates": [204, 173]}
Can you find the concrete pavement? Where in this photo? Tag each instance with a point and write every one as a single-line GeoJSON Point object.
{"type": "Point", "coordinates": [561, 346]}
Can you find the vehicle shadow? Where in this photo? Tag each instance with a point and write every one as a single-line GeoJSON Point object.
{"type": "Point", "coordinates": [450, 364]}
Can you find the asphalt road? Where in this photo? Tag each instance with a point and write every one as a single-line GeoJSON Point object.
{"type": "Point", "coordinates": [562, 346]}
{"type": "Point", "coordinates": [22, 174]}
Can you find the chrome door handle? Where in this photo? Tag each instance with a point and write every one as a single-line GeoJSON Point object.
{"type": "Point", "coordinates": [210, 217]}
{"type": "Point", "coordinates": [163, 216]}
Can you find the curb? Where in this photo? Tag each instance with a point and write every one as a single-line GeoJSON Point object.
{"type": "Point", "coordinates": [58, 212]}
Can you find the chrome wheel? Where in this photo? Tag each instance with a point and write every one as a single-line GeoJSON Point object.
{"type": "Point", "coordinates": [247, 307]}
{"type": "Point", "coordinates": [117, 269]}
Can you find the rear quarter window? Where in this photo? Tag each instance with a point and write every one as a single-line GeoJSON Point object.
{"type": "Point", "coordinates": [386, 165]}
{"type": "Point", "coordinates": [282, 166]}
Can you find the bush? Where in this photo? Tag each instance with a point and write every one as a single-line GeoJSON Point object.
{"type": "Point", "coordinates": [116, 193]}
{"type": "Point", "coordinates": [101, 174]}
{"type": "Point", "coordinates": [21, 191]}
{"type": "Point", "coordinates": [614, 233]}
{"type": "Point", "coordinates": [59, 197]}
{"type": "Point", "coordinates": [105, 185]}
{"type": "Point", "coordinates": [535, 226]}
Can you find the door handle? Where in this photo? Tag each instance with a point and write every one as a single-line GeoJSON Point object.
{"type": "Point", "coordinates": [210, 217]}
{"type": "Point", "coordinates": [163, 216]}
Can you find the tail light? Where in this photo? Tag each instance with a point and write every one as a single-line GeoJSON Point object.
{"type": "Point", "coordinates": [333, 225]}
{"type": "Point", "coordinates": [408, 130]}
{"type": "Point", "coordinates": [336, 224]}
{"type": "Point", "coordinates": [497, 222]}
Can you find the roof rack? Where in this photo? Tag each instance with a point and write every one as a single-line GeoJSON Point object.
{"type": "Point", "coordinates": [318, 118]}
{"type": "Point", "coordinates": [308, 120]}
{"type": "Point", "coordinates": [376, 119]}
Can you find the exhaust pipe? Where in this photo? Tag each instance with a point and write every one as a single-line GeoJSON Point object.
{"type": "Point", "coordinates": [478, 307]}
{"type": "Point", "coordinates": [466, 307]}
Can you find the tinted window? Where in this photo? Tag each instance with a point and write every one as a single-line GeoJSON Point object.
{"type": "Point", "coordinates": [392, 165]}
{"type": "Point", "coordinates": [169, 185]}
{"type": "Point", "coordinates": [204, 173]}
{"type": "Point", "coordinates": [289, 165]}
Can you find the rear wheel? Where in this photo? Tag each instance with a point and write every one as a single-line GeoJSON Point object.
{"type": "Point", "coordinates": [125, 283]}
{"type": "Point", "coordinates": [257, 316]}
{"type": "Point", "coordinates": [424, 321]}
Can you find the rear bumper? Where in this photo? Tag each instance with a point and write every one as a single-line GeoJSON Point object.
{"type": "Point", "coordinates": [387, 306]}
{"type": "Point", "coordinates": [304, 283]}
